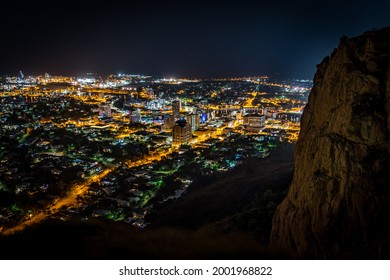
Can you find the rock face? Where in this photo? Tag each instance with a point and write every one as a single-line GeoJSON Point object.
{"type": "Point", "coordinates": [338, 205]}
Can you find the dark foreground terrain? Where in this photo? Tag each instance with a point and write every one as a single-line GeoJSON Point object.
{"type": "Point", "coordinates": [228, 218]}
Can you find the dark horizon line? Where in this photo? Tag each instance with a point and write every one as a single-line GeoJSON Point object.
{"type": "Point", "coordinates": [162, 76]}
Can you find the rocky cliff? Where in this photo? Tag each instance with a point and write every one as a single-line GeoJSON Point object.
{"type": "Point", "coordinates": [338, 205]}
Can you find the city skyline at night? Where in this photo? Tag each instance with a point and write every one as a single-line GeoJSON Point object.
{"type": "Point", "coordinates": [194, 130]}
{"type": "Point", "coordinates": [135, 134]}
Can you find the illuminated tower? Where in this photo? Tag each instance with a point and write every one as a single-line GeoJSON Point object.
{"type": "Point", "coordinates": [168, 122]}
{"type": "Point", "coordinates": [182, 132]}
{"type": "Point", "coordinates": [176, 106]}
{"type": "Point", "coordinates": [194, 121]}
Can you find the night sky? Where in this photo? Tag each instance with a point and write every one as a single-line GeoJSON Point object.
{"type": "Point", "coordinates": [284, 39]}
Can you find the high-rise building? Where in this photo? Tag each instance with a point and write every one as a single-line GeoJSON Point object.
{"type": "Point", "coordinates": [176, 106]}
{"type": "Point", "coordinates": [182, 132]}
{"type": "Point", "coordinates": [168, 122]}
{"type": "Point", "coordinates": [210, 114]}
{"type": "Point", "coordinates": [194, 121]}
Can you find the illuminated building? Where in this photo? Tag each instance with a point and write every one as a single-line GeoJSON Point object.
{"type": "Point", "coordinates": [136, 117]}
{"type": "Point", "coordinates": [168, 122]}
{"type": "Point", "coordinates": [210, 114]}
{"type": "Point", "coordinates": [32, 98]}
{"type": "Point", "coordinates": [182, 132]}
{"type": "Point", "coordinates": [254, 122]}
{"type": "Point", "coordinates": [105, 111]}
{"type": "Point", "coordinates": [194, 121]}
{"type": "Point", "coordinates": [155, 104]}
{"type": "Point", "coordinates": [176, 106]}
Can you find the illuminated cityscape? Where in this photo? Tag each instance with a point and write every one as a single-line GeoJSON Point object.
{"type": "Point", "coordinates": [193, 129]}
{"type": "Point", "coordinates": [115, 147]}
